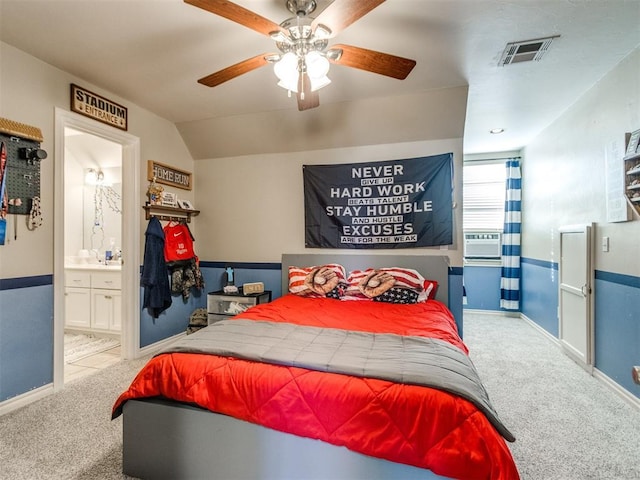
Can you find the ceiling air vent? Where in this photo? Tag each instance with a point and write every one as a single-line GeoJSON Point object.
{"type": "Point", "coordinates": [525, 51]}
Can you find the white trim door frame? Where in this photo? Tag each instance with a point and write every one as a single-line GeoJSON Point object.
{"type": "Point", "coordinates": [575, 298]}
{"type": "Point", "coordinates": [130, 313]}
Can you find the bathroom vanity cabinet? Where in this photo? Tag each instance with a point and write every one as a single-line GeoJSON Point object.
{"type": "Point", "coordinates": [93, 299]}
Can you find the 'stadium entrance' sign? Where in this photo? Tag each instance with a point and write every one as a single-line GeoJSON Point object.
{"type": "Point", "coordinates": [391, 204]}
{"type": "Point", "coordinates": [168, 175]}
{"type": "Point", "coordinates": [97, 107]}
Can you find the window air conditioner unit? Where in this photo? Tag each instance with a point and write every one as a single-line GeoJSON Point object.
{"type": "Point", "coordinates": [482, 245]}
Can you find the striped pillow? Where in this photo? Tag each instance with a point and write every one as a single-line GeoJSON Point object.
{"type": "Point", "coordinates": [318, 281]}
{"type": "Point", "coordinates": [402, 278]}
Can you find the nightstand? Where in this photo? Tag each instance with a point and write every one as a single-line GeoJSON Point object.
{"type": "Point", "coordinates": [221, 306]}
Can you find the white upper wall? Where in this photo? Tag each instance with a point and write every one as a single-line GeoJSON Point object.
{"type": "Point", "coordinates": [30, 90]}
{"type": "Point", "coordinates": [252, 207]}
{"type": "Point", "coordinates": [564, 174]}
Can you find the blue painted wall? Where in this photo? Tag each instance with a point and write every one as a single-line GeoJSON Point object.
{"type": "Point", "coordinates": [616, 311]}
{"type": "Point", "coordinates": [172, 321]}
{"type": "Point", "coordinates": [176, 319]}
{"type": "Point", "coordinates": [539, 296]}
{"type": "Point", "coordinates": [482, 286]}
{"type": "Point", "coordinates": [26, 335]}
{"type": "Point", "coordinates": [455, 296]}
{"type": "Point", "coordinates": [617, 327]}
{"type": "Point", "coordinates": [26, 316]}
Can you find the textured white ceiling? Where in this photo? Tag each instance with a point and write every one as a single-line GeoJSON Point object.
{"type": "Point", "coordinates": [152, 52]}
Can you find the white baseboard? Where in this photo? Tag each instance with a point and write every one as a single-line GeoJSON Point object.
{"type": "Point", "coordinates": [607, 381]}
{"type": "Point", "coordinates": [36, 394]}
{"type": "Point", "coordinates": [156, 347]}
{"type": "Point", "coordinates": [500, 313]}
{"type": "Point", "coordinates": [540, 329]}
{"type": "Point", "coordinates": [622, 392]}
{"type": "Point", "coordinates": [25, 399]}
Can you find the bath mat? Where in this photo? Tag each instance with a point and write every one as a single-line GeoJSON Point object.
{"type": "Point", "coordinates": [77, 347]}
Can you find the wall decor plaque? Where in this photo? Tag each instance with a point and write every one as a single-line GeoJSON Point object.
{"type": "Point", "coordinates": [99, 108]}
{"type": "Point", "coordinates": [168, 175]}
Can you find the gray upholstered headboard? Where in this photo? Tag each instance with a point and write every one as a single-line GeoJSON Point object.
{"type": "Point", "coordinates": [432, 267]}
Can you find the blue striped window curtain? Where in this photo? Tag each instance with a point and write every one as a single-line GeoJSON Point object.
{"type": "Point", "coordinates": [510, 272]}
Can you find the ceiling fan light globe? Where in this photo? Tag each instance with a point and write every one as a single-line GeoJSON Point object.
{"type": "Point", "coordinates": [287, 67]}
{"type": "Point", "coordinates": [290, 86]}
{"type": "Point", "coordinates": [318, 83]}
{"type": "Point", "coordinates": [317, 65]}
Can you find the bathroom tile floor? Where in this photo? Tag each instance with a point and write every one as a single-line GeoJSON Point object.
{"type": "Point", "coordinates": [89, 365]}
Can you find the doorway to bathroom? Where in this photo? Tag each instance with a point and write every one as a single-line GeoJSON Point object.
{"type": "Point", "coordinates": [92, 253]}
{"type": "Point", "coordinates": [96, 245]}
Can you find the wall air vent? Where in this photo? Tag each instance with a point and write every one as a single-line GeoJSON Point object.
{"type": "Point", "coordinates": [525, 51]}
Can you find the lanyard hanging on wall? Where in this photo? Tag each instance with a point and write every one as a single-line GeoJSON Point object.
{"type": "Point", "coordinates": [4, 206]}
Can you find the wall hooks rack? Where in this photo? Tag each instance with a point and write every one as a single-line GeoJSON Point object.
{"type": "Point", "coordinates": [164, 213]}
{"type": "Point", "coordinates": [22, 143]}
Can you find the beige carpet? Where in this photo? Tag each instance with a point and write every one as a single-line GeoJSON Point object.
{"type": "Point", "coordinates": [568, 425]}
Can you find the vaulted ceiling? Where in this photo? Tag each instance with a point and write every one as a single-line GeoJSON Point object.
{"type": "Point", "coordinates": [152, 52]}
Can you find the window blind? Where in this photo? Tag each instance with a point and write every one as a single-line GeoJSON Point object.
{"type": "Point", "coordinates": [484, 195]}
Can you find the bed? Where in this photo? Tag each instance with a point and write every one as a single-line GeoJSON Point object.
{"type": "Point", "coordinates": [210, 406]}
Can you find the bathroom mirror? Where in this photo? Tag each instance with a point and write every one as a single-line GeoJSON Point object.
{"type": "Point", "coordinates": [102, 210]}
{"type": "Point", "coordinates": [93, 197]}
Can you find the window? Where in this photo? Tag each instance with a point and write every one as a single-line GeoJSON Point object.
{"type": "Point", "coordinates": [483, 195]}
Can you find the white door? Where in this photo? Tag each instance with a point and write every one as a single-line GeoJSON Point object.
{"type": "Point", "coordinates": [576, 293]}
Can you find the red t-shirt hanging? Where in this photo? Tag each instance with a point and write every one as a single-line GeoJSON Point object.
{"type": "Point", "coordinates": [178, 242]}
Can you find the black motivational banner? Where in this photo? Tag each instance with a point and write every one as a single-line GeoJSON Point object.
{"type": "Point", "coordinates": [390, 204]}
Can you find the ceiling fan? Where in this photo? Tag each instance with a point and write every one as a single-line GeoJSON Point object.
{"type": "Point", "coordinates": [303, 61]}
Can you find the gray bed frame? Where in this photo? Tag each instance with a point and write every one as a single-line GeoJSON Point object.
{"type": "Point", "coordinates": [170, 440]}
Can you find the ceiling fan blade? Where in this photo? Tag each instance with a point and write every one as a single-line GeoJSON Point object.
{"type": "Point", "coordinates": [342, 13]}
{"type": "Point", "coordinates": [306, 98]}
{"type": "Point", "coordinates": [372, 61]}
{"type": "Point", "coordinates": [238, 14]}
{"type": "Point", "coordinates": [234, 71]}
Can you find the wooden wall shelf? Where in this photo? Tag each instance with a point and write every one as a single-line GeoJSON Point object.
{"type": "Point", "coordinates": [632, 179]}
{"type": "Point", "coordinates": [164, 213]}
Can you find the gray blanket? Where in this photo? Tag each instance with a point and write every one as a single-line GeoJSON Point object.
{"type": "Point", "coordinates": [402, 359]}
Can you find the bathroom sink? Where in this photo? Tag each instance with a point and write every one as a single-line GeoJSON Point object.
{"type": "Point", "coordinates": [92, 266]}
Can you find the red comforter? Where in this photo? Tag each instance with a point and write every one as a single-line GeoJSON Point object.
{"type": "Point", "coordinates": [408, 424]}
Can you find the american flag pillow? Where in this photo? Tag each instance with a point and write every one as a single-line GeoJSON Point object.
{"type": "Point", "coordinates": [319, 281]}
{"type": "Point", "coordinates": [398, 295]}
{"type": "Point", "coordinates": [402, 278]}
